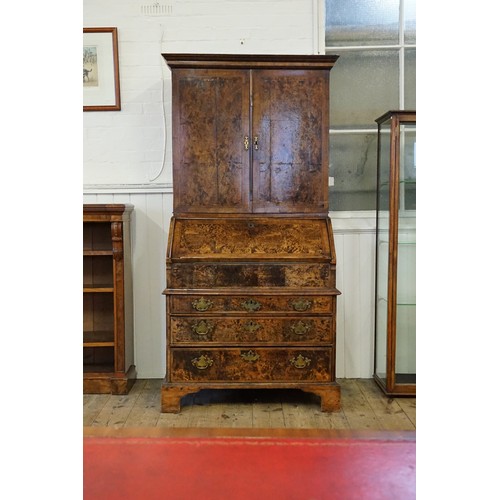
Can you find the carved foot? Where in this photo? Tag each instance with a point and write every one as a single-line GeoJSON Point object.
{"type": "Point", "coordinates": [171, 397]}
{"type": "Point", "coordinates": [330, 397]}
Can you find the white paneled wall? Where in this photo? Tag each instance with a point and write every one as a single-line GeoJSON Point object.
{"type": "Point", "coordinates": [355, 247]}
{"type": "Point", "coordinates": [354, 235]}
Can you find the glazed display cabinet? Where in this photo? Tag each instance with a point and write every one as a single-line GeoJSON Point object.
{"type": "Point", "coordinates": [395, 288]}
{"type": "Point", "coordinates": [250, 264]}
{"type": "Point", "coordinates": [108, 344]}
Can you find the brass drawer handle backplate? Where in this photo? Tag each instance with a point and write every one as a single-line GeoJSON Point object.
{"type": "Point", "coordinates": [251, 305]}
{"type": "Point", "coordinates": [203, 362]}
{"type": "Point", "coordinates": [300, 327]}
{"type": "Point", "coordinates": [250, 356]}
{"type": "Point", "coordinates": [202, 304]}
{"type": "Point", "coordinates": [301, 304]}
{"type": "Point", "coordinates": [300, 362]}
{"type": "Point", "coordinates": [252, 326]}
{"type": "Point", "coordinates": [202, 327]}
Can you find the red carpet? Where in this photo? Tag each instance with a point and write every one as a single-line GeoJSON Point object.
{"type": "Point", "coordinates": [122, 465]}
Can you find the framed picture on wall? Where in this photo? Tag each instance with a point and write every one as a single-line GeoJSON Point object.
{"type": "Point", "coordinates": [101, 77]}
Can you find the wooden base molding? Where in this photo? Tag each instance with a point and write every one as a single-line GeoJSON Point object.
{"type": "Point", "coordinates": [171, 394]}
{"type": "Point", "coordinates": [116, 383]}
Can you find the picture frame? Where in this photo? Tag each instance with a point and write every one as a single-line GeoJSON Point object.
{"type": "Point", "coordinates": [101, 75]}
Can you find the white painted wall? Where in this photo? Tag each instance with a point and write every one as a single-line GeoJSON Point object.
{"type": "Point", "coordinates": [127, 154]}
{"type": "Point", "coordinates": [131, 146]}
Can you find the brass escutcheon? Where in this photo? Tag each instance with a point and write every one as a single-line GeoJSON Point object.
{"type": "Point", "coordinates": [301, 304]}
{"type": "Point", "coordinates": [300, 328]}
{"type": "Point", "coordinates": [300, 361]}
{"type": "Point", "coordinates": [202, 327]}
{"type": "Point", "coordinates": [202, 304]}
{"type": "Point", "coordinates": [250, 356]}
{"type": "Point", "coordinates": [203, 362]}
{"type": "Point", "coordinates": [251, 305]}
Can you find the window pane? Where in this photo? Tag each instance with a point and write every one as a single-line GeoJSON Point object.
{"type": "Point", "coordinates": [364, 85]}
{"type": "Point", "coordinates": [353, 164]}
{"type": "Point", "coordinates": [410, 21]}
{"type": "Point", "coordinates": [362, 22]}
{"type": "Point", "coordinates": [408, 174]}
{"type": "Point", "coordinates": [410, 78]}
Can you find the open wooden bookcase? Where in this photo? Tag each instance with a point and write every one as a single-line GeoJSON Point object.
{"type": "Point", "coordinates": [108, 350]}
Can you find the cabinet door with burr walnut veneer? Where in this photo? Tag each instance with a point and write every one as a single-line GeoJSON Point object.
{"type": "Point", "coordinates": [250, 265]}
{"type": "Point", "coordinates": [108, 349]}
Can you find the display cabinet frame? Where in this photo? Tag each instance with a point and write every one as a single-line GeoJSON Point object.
{"type": "Point", "coordinates": [395, 255]}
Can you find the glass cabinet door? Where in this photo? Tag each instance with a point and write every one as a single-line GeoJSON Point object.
{"type": "Point", "coordinates": [395, 291]}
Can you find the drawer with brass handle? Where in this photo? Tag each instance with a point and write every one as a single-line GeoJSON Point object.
{"type": "Point", "coordinates": [251, 365]}
{"type": "Point", "coordinates": [276, 275]}
{"type": "Point", "coordinates": [252, 304]}
{"type": "Point", "coordinates": [242, 330]}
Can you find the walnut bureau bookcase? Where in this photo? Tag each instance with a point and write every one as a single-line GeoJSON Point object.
{"type": "Point", "coordinates": [108, 344]}
{"type": "Point", "coordinates": [250, 263]}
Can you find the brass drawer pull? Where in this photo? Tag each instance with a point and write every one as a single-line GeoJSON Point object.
{"type": "Point", "coordinates": [202, 304]}
{"type": "Point", "coordinates": [202, 327]}
{"type": "Point", "coordinates": [251, 305]}
{"type": "Point", "coordinates": [252, 326]}
{"type": "Point", "coordinates": [246, 142]}
{"type": "Point", "coordinates": [300, 362]}
{"type": "Point", "coordinates": [203, 362]}
{"type": "Point", "coordinates": [300, 328]}
{"type": "Point", "coordinates": [301, 304]}
{"type": "Point", "coordinates": [250, 356]}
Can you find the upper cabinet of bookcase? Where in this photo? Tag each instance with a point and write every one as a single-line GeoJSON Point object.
{"type": "Point", "coordinates": [250, 134]}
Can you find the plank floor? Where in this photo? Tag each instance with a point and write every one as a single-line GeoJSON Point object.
{"type": "Point", "coordinates": [364, 406]}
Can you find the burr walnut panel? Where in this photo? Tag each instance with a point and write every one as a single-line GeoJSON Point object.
{"type": "Point", "coordinates": [288, 168]}
{"type": "Point", "coordinates": [251, 238]}
{"type": "Point", "coordinates": [210, 163]}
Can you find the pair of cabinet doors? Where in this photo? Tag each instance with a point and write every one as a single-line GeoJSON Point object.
{"type": "Point", "coordinates": [250, 140]}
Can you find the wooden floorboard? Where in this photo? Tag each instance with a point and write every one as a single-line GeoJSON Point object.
{"type": "Point", "coordinates": [364, 407]}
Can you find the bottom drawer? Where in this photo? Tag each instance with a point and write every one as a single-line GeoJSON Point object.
{"type": "Point", "coordinates": [251, 365]}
